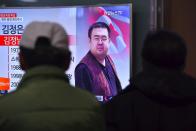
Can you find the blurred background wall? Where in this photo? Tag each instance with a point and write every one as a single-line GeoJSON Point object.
{"type": "Point", "coordinates": [180, 16]}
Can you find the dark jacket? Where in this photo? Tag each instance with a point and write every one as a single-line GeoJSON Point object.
{"type": "Point", "coordinates": [45, 101]}
{"type": "Point", "coordinates": [158, 100]}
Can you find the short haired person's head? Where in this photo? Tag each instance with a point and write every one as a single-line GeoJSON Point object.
{"type": "Point", "coordinates": [44, 43]}
{"type": "Point", "coordinates": [99, 39]}
{"type": "Point", "coordinates": [165, 49]}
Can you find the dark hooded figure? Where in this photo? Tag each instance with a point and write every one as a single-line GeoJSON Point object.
{"type": "Point", "coordinates": [162, 97]}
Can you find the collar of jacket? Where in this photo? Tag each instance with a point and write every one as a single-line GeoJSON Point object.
{"type": "Point", "coordinates": [41, 71]}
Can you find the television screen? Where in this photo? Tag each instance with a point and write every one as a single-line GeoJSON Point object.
{"type": "Point", "coordinates": [76, 21]}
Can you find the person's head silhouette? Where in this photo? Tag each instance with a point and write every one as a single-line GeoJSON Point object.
{"type": "Point", "coordinates": [164, 49]}
{"type": "Point", "coordinates": [44, 43]}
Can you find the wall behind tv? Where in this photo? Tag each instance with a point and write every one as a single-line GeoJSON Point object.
{"type": "Point", "coordinates": [180, 17]}
{"type": "Point", "coordinates": [144, 20]}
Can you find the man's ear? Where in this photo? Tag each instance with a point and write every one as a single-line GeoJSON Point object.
{"type": "Point", "coordinates": [22, 61]}
{"type": "Point", "coordinates": [89, 41]}
{"type": "Point", "coordinates": [109, 39]}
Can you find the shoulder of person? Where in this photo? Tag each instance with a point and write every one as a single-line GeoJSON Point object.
{"type": "Point", "coordinates": [81, 66]}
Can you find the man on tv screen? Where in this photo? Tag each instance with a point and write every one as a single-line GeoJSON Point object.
{"type": "Point", "coordinates": [96, 71]}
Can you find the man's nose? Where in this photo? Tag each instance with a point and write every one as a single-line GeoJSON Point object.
{"type": "Point", "coordinates": [100, 41]}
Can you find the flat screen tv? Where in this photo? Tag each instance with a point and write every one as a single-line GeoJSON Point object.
{"type": "Point", "coordinates": [76, 21]}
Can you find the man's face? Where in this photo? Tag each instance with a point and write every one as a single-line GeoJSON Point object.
{"type": "Point", "coordinates": [99, 42]}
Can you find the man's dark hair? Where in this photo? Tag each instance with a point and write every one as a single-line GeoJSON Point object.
{"type": "Point", "coordinates": [45, 54]}
{"type": "Point", "coordinates": [165, 49]}
{"type": "Point", "coordinates": [98, 25]}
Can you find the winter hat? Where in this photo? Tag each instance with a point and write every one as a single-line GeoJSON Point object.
{"type": "Point", "coordinates": [53, 31]}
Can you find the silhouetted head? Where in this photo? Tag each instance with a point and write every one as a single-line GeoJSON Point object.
{"type": "Point", "coordinates": [164, 49]}
{"type": "Point", "coordinates": [44, 43]}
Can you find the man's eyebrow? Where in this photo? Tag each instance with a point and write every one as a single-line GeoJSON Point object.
{"type": "Point", "coordinates": [99, 36]}
{"type": "Point", "coordinates": [96, 35]}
